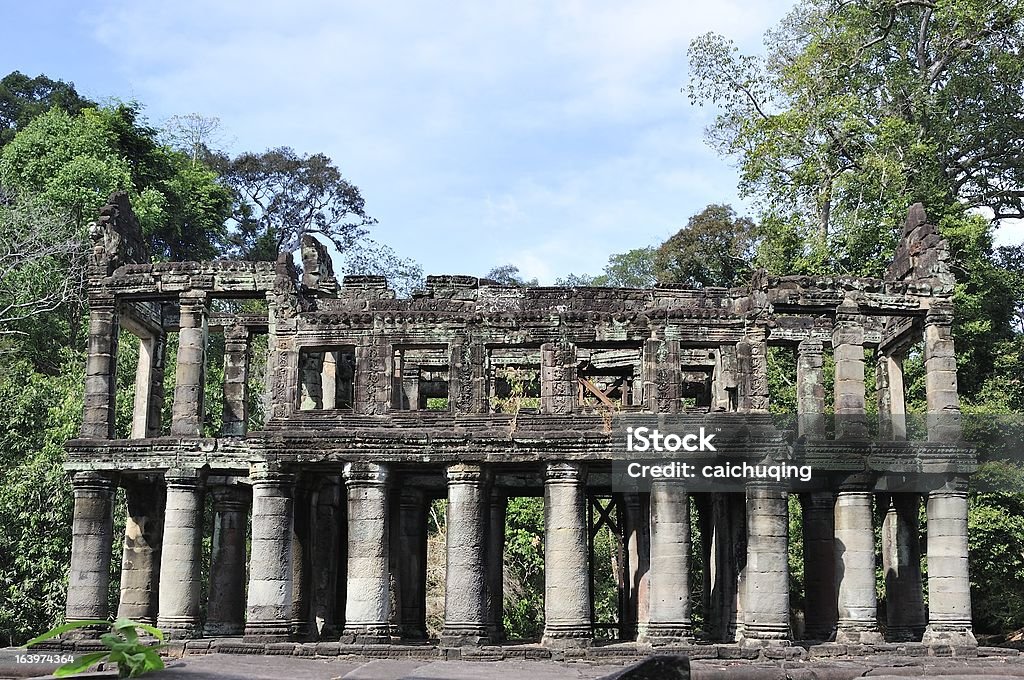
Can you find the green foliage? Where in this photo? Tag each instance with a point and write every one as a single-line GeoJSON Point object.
{"type": "Point", "coordinates": [715, 248]}
{"type": "Point", "coordinates": [40, 412]}
{"type": "Point", "coordinates": [995, 529]}
{"type": "Point", "coordinates": [22, 99]}
{"type": "Point", "coordinates": [508, 275]}
{"type": "Point", "coordinates": [524, 568]}
{"type": "Point", "coordinates": [132, 656]}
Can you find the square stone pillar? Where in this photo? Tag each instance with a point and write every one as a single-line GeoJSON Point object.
{"type": "Point", "coordinates": [557, 378]}
{"type": "Point", "coordinates": [329, 381]}
{"type": "Point", "coordinates": [848, 351]}
{"type": "Point", "coordinates": [752, 366]}
{"type": "Point", "coordinates": [892, 409]}
{"type": "Point", "coordinates": [269, 604]}
{"type": "Point", "coordinates": [236, 382]}
{"type": "Point", "coordinates": [92, 536]}
{"type": "Point", "coordinates": [568, 620]}
{"type": "Point", "coordinates": [100, 370]}
{"type": "Point", "coordinates": [901, 564]}
{"type": "Point", "coordinates": [303, 531]}
{"type": "Point", "coordinates": [368, 605]}
{"type": "Point", "coordinates": [820, 613]}
{"type": "Point", "coordinates": [855, 568]}
{"type": "Point", "coordinates": [465, 601]}
{"type": "Point", "coordinates": [949, 583]}
{"type": "Point", "coordinates": [940, 375]}
{"type": "Point", "coordinates": [669, 579]}
{"type": "Point", "coordinates": [326, 557]}
{"type": "Point", "coordinates": [190, 374]}
{"type": "Point", "coordinates": [412, 564]}
{"type": "Point", "coordinates": [636, 527]}
{"type": "Point", "coordinates": [496, 566]}
{"type": "Point", "coordinates": [225, 611]}
{"type": "Point", "coordinates": [181, 558]}
{"type": "Point", "coordinates": [810, 390]}
{"type": "Point", "coordinates": [140, 560]}
{"type": "Point", "coordinates": [311, 390]}
{"type": "Point", "coordinates": [661, 376]}
{"type": "Point", "coordinates": [766, 604]}
{"type": "Point", "coordinates": [149, 387]}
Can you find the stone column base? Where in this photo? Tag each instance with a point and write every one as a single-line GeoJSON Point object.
{"type": "Point", "coordinates": [366, 634]}
{"type": "Point", "coordinates": [667, 633]}
{"type": "Point", "coordinates": [464, 635]}
{"type": "Point", "coordinates": [178, 627]}
{"type": "Point", "coordinates": [222, 629]}
{"type": "Point", "coordinates": [949, 634]}
{"type": "Point", "coordinates": [267, 631]}
{"type": "Point", "coordinates": [567, 635]}
{"type": "Point", "coordinates": [854, 633]}
{"type": "Point", "coordinates": [904, 633]}
{"type": "Point", "coordinates": [765, 632]}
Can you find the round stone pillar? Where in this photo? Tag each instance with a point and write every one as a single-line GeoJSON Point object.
{"type": "Point", "coordinates": [820, 613]}
{"type": "Point", "coordinates": [901, 565]}
{"type": "Point", "coordinates": [91, 542]}
{"type": "Point", "coordinates": [766, 602]}
{"type": "Point", "coordinates": [567, 613]}
{"type": "Point", "coordinates": [225, 612]}
{"type": "Point", "coordinates": [949, 585]}
{"type": "Point", "coordinates": [496, 566]}
{"type": "Point", "coordinates": [368, 602]}
{"type": "Point", "coordinates": [180, 565]}
{"type": "Point", "coordinates": [269, 605]}
{"type": "Point", "coordinates": [669, 574]}
{"type": "Point", "coordinates": [855, 569]}
{"type": "Point", "coordinates": [140, 559]}
{"type": "Point", "coordinates": [465, 602]}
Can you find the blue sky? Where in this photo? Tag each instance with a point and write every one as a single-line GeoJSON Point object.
{"type": "Point", "coordinates": [545, 135]}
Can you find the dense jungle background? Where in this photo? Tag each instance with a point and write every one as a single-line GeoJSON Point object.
{"type": "Point", "coordinates": [855, 110]}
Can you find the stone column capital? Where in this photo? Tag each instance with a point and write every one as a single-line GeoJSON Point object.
{"type": "Point", "coordinates": [939, 314]}
{"type": "Point", "coordinates": [272, 478]}
{"type": "Point", "coordinates": [230, 497]}
{"type": "Point", "coordinates": [464, 473]}
{"type": "Point", "coordinates": [366, 474]}
{"type": "Point", "coordinates": [184, 478]}
{"type": "Point", "coordinates": [91, 482]}
{"type": "Point", "coordinates": [565, 473]}
{"type": "Point", "coordinates": [810, 347]}
{"type": "Point", "coordinates": [236, 334]}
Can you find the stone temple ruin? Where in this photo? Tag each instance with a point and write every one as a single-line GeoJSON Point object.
{"type": "Point", "coordinates": [375, 406]}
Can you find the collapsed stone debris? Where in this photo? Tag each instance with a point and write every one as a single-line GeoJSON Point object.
{"type": "Point", "coordinates": [477, 392]}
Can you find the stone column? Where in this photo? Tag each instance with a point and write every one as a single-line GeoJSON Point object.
{"type": "Point", "coordinates": [636, 525]}
{"type": "Point", "coordinates": [367, 609]}
{"type": "Point", "coordinates": [465, 601]}
{"type": "Point", "coordinates": [150, 358]}
{"type": "Point", "coordinates": [892, 410]}
{"type": "Point", "coordinates": [140, 560]}
{"type": "Point", "coordinates": [557, 378]}
{"type": "Point", "coordinates": [329, 381]}
{"type": "Point", "coordinates": [661, 375]}
{"type": "Point", "coordinates": [848, 350]}
{"type": "Point", "coordinates": [92, 535]}
{"type": "Point", "coordinates": [302, 555]}
{"type": "Point", "coordinates": [949, 584]}
{"type": "Point", "coordinates": [752, 365]}
{"type": "Point", "coordinates": [567, 615]}
{"type": "Point", "coordinates": [820, 613]}
{"type": "Point", "coordinates": [225, 612]}
{"type": "Point", "coordinates": [181, 559]}
{"type": "Point", "coordinates": [100, 370]}
{"type": "Point", "coordinates": [412, 576]}
{"type": "Point", "coordinates": [669, 579]}
{"type": "Point", "coordinates": [855, 569]}
{"type": "Point", "coordinates": [766, 601]}
{"type": "Point", "coordinates": [236, 381]}
{"type": "Point", "coordinates": [190, 374]}
{"type": "Point", "coordinates": [326, 547]}
{"type": "Point", "coordinates": [727, 557]}
{"type": "Point", "coordinates": [496, 566]}
{"type": "Point", "coordinates": [810, 390]}
{"type": "Point", "coordinates": [269, 604]}
{"type": "Point", "coordinates": [158, 359]}
{"type": "Point", "coordinates": [901, 564]}
{"type": "Point", "coordinates": [940, 375]}
{"type": "Point", "coordinates": [311, 369]}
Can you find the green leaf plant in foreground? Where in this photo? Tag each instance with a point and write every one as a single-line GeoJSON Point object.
{"type": "Point", "coordinates": [133, 657]}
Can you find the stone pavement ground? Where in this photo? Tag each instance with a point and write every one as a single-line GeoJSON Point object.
{"type": "Point", "coordinates": [251, 667]}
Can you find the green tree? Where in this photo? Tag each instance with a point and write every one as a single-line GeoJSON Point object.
{"type": "Point", "coordinates": [508, 275]}
{"type": "Point", "coordinates": [631, 269]}
{"type": "Point", "coordinates": [715, 248]}
{"type": "Point", "coordinates": [22, 99]}
{"type": "Point", "coordinates": [280, 195]}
